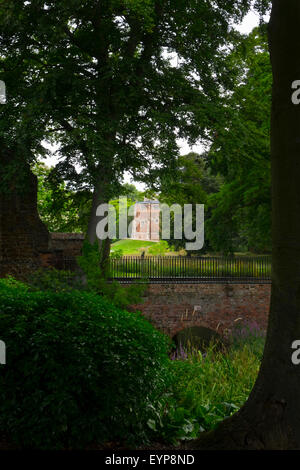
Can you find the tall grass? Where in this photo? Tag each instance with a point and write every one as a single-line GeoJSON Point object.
{"type": "Point", "coordinates": [208, 387]}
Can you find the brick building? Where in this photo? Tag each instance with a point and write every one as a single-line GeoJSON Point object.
{"type": "Point", "coordinates": [146, 221]}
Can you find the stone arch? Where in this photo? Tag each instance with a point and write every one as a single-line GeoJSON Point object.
{"type": "Point", "coordinates": [197, 336]}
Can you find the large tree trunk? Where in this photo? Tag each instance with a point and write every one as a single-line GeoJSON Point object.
{"type": "Point", "coordinates": [100, 196]}
{"type": "Point", "coordinates": [271, 417]}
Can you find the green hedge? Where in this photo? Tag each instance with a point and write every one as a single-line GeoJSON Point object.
{"type": "Point", "coordinates": [78, 370]}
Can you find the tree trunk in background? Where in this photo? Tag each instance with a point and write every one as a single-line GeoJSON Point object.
{"type": "Point", "coordinates": [271, 417]}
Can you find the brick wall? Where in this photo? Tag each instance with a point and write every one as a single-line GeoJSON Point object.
{"type": "Point", "coordinates": [172, 307]}
{"type": "Point", "coordinates": [23, 236]}
{"type": "Point", "coordinates": [69, 243]}
{"type": "Point", "coordinates": [25, 243]}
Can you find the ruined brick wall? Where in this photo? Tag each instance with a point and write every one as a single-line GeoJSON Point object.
{"type": "Point", "coordinates": [70, 243]}
{"type": "Point", "coordinates": [23, 236]}
{"type": "Point", "coordinates": [173, 307]}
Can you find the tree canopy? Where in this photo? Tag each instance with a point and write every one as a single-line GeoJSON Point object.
{"type": "Point", "coordinates": [240, 151]}
{"type": "Point", "coordinates": [103, 81]}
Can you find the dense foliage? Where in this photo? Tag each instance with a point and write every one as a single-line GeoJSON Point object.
{"type": "Point", "coordinates": [115, 84]}
{"type": "Point", "coordinates": [192, 182]}
{"type": "Point", "coordinates": [64, 210]}
{"type": "Point", "coordinates": [94, 281]}
{"type": "Point", "coordinates": [240, 152]}
{"type": "Point", "coordinates": [81, 371]}
{"type": "Point", "coordinates": [60, 209]}
{"type": "Point", "coordinates": [78, 369]}
{"type": "Point", "coordinates": [232, 178]}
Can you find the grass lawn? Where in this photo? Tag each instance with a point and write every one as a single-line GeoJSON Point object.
{"type": "Point", "coordinates": [132, 247]}
{"type": "Point", "coordinates": [136, 247]}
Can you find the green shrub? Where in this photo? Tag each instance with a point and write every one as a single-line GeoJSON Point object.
{"type": "Point", "coordinates": [78, 370]}
{"type": "Point", "coordinates": [11, 283]}
{"type": "Point", "coordinates": [96, 282]}
{"type": "Point", "coordinates": [160, 248]}
{"type": "Point", "coordinates": [55, 280]}
{"type": "Point", "coordinates": [117, 253]}
{"type": "Point", "coordinates": [90, 280]}
{"type": "Point", "coordinates": [90, 262]}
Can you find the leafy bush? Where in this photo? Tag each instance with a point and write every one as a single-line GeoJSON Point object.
{"type": "Point", "coordinates": [95, 281]}
{"type": "Point", "coordinates": [54, 280]}
{"type": "Point", "coordinates": [90, 280]}
{"type": "Point", "coordinates": [90, 262]}
{"type": "Point", "coordinates": [78, 370]}
{"type": "Point", "coordinates": [10, 283]}
{"type": "Point", "coordinates": [117, 253]}
{"type": "Point", "coordinates": [159, 248]}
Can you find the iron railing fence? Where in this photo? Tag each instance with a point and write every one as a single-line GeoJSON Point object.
{"type": "Point", "coordinates": [191, 269]}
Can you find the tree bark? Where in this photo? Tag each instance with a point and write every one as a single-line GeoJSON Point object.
{"type": "Point", "coordinates": [270, 419]}
{"type": "Point", "coordinates": [104, 176]}
{"type": "Point", "coordinates": [100, 196]}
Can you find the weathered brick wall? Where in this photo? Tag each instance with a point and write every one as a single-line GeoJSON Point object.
{"type": "Point", "coordinates": [23, 236]}
{"type": "Point", "coordinates": [70, 243]}
{"type": "Point", "coordinates": [173, 307]}
{"type": "Point", "coordinates": [25, 243]}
